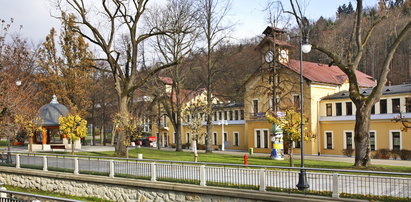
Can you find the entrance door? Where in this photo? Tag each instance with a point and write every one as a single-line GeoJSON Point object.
{"type": "Point", "coordinates": [165, 140]}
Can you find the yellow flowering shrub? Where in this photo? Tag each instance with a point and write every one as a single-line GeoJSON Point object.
{"type": "Point", "coordinates": [73, 126]}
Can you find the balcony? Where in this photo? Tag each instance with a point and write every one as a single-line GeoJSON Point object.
{"type": "Point", "coordinates": [257, 116]}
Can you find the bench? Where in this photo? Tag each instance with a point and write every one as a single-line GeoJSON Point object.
{"type": "Point", "coordinates": [57, 146]}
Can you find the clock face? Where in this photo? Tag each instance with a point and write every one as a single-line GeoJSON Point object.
{"type": "Point", "coordinates": [269, 56]}
{"type": "Point", "coordinates": [283, 54]}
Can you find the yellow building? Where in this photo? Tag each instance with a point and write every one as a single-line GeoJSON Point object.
{"type": "Point", "coordinates": [327, 107]}
{"type": "Point", "coordinates": [337, 119]}
{"type": "Point", "coordinates": [278, 76]}
{"type": "Point", "coordinates": [227, 120]}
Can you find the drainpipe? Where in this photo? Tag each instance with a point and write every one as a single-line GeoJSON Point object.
{"type": "Point", "coordinates": [318, 127]}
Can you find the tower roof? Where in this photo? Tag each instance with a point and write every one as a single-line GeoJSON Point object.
{"type": "Point", "coordinates": [50, 113]}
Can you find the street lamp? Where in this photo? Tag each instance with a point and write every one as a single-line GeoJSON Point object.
{"type": "Point", "coordinates": [9, 160]}
{"type": "Point", "coordinates": [222, 123]}
{"type": "Point", "coordinates": [302, 176]}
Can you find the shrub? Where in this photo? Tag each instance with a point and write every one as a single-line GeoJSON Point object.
{"type": "Point", "coordinates": [201, 147]}
{"type": "Point", "coordinates": [395, 153]}
{"type": "Point", "coordinates": [173, 145]}
{"type": "Point", "coordinates": [405, 154]}
{"type": "Point", "coordinates": [348, 152]}
{"type": "Point", "coordinates": [186, 146]}
{"type": "Point", "coordinates": [382, 154]}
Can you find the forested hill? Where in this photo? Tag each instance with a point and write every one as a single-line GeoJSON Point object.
{"type": "Point", "coordinates": [335, 34]}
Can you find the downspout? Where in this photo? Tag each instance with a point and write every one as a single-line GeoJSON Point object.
{"type": "Point", "coordinates": [318, 127]}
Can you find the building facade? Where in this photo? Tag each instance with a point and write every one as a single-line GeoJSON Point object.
{"type": "Point", "coordinates": [275, 87]}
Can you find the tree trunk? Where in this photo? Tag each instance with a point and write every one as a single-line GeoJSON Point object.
{"type": "Point", "coordinates": [72, 147]}
{"type": "Point", "coordinates": [160, 136]}
{"type": "Point", "coordinates": [102, 136]}
{"type": "Point", "coordinates": [121, 146]}
{"type": "Point", "coordinates": [179, 146]}
{"type": "Point", "coordinates": [195, 150]}
{"type": "Point", "coordinates": [113, 134]}
{"type": "Point", "coordinates": [31, 143]}
{"type": "Point", "coordinates": [209, 148]}
{"type": "Point", "coordinates": [290, 151]}
{"type": "Point", "coordinates": [361, 135]}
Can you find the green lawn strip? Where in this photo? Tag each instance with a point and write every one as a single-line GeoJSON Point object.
{"type": "Point", "coordinates": [296, 191]}
{"type": "Point", "coordinates": [232, 185]}
{"type": "Point", "coordinates": [132, 176]}
{"type": "Point", "coordinates": [94, 172]}
{"type": "Point", "coordinates": [374, 198]}
{"type": "Point", "coordinates": [185, 181]}
{"type": "Point", "coordinates": [54, 194]}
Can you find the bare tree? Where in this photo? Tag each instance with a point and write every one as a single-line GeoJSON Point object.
{"type": "Point", "coordinates": [115, 27]}
{"type": "Point", "coordinates": [212, 13]}
{"type": "Point", "coordinates": [17, 87]}
{"type": "Point", "coordinates": [193, 117]}
{"type": "Point", "coordinates": [181, 15]}
{"type": "Point", "coordinates": [349, 63]}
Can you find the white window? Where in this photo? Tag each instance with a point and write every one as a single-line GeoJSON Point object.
{"type": "Point", "coordinates": [236, 138]}
{"type": "Point", "coordinates": [373, 140]}
{"type": "Point", "coordinates": [395, 140]}
{"type": "Point", "coordinates": [261, 138]}
{"type": "Point", "coordinates": [348, 140]}
{"type": "Point", "coordinates": [255, 107]}
{"type": "Point", "coordinates": [296, 102]}
{"type": "Point", "coordinates": [328, 140]}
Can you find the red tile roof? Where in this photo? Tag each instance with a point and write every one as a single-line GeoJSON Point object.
{"type": "Point", "coordinates": [322, 73]}
{"type": "Point", "coordinates": [187, 95]}
{"type": "Point", "coordinates": [166, 80]}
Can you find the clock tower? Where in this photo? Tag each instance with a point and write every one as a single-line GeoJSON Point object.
{"type": "Point", "coordinates": [275, 46]}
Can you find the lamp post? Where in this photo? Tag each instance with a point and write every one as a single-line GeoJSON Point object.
{"type": "Point", "coordinates": [9, 160]}
{"type": "Point", "coordinates": [302, 176]}
{"type": "Point", "coordinates": [222, 122]}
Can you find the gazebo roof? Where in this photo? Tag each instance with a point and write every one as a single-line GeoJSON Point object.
{"type": "Point", "coordinates": [51, 112]}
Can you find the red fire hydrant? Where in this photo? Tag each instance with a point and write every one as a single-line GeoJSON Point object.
{"type": "Point", "coordinates": [245, 159]}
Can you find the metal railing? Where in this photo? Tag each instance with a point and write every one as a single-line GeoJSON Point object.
{"type": "Point", "coordinates": [330, 182]}
{"type": "Point", "coordinates": [14, 196]}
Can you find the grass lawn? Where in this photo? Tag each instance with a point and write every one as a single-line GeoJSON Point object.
{"type": "Point", "coordinates": [53, 194]}
{"type": "Point", "coordinates": [3, 143]}
{"type": "Point", "coordinates": [237, 159]}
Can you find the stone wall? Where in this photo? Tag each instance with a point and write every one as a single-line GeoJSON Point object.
{"type": "Point", "coordinates": [106, 191]}
{"type": "Point", "coordinates": [122, 189]}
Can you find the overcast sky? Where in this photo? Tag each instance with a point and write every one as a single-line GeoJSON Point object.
{"type": "Point", "coordinates": [250, 19]}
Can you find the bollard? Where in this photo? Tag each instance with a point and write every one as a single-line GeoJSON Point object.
{"type": "Point", "coordinates": [17, 160]}
{"type": "Point", "coordinates": [153, 172]}
{"type": "Point", "coordinates": [45, 163]}
{"type": "Point", "coordinates": [245, 159]}
{"type": "Point", "coordinates": [76, 170]}
{"type": "Point", "coordinates": [203, 181]}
